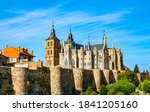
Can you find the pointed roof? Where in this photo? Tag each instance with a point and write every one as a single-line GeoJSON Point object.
{"type": "Point", "coordinates": [104, 38]}
{"type": "Point", "coordinates": [70, 37]}
{"type": "Point", "coordinates": [52, 34]}
{"type": "Point", "coordinates": [112, 44]}
{"type": "Point", "coordinates": [89, 46]}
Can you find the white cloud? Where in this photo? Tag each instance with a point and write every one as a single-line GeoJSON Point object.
{"type": "Point", "coordinates": [37, 23]}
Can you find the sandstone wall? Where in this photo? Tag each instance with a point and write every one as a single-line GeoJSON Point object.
{"type": "Point", "coordinates": [27, 81]}
{"type": "Point", "coordinates": [19, 78]}
{"type": "Point", "coordinates": [55, 80]}
{"type": "Point", "coordinates": [76, 80]}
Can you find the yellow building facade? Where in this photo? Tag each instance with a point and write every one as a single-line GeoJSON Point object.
{"type": "Point", "coordinates": [52, 49]}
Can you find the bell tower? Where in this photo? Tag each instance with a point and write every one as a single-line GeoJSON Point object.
{"type": "Point", "coordinates": [52, 49]}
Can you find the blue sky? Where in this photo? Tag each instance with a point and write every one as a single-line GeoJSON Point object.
{"type": "Point", "coordinates": [28, 23]}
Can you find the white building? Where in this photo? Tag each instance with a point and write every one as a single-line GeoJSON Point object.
{"type": "Point", "coordinates": [89, 56]}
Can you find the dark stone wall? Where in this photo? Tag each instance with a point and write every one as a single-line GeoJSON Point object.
{"type": "Point", "coordinates": [5, 78]}
{"type": "Point", "coordinates": [38, 81]}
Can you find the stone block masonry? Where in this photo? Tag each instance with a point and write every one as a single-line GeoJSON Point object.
{"type": "Point", "coordinates": [71, 81]}
{"type": "Point", "coordinates": [19, 77]}
{"type": "Point", "coordinates": [56, 80]}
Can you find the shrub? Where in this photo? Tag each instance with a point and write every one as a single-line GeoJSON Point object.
{"type": "Point", "coordinates": [123, 86]}
{"type": "Point", "coordinates": [135, 93]}
{"type": "Point", "coordinates": [120, 93]}
{"type": "Point", "coordinates": [128, 75]}
{"type": "Point", "coordinates": [89, 91]}
{"type": "Point", "coordinates": [103, 90]}
{"type": "Point", "coordinates": [145, 86]}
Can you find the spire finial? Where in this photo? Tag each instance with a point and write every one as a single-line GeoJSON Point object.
{"type": "Point", "coordinates": [70, 28]}
{"type": "Point", "coordinates": [104, 37]}
{"type": "Point", "coordinates": [89, 47]}
{"type": "Point", "coordinates": [112, 43]}
{"type": "Point", "coordinates": [53, 23]}
{"type": "Point", "coordinates": [103, 32]}
{"type": "Point", "coordinates": [88, 38]}
{"type": "Point", "coordinates": [84, 45]}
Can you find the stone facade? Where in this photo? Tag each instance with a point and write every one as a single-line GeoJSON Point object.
{"type": "Point", "coordinates": [116, 59]}
{"type": "Point", "coordinates": [89, 56]}
{"type": "Point", "coordinates": [56, 80]}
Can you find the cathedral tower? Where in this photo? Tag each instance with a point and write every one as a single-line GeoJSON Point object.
{"type": "Point", "coordinates": [52, 49]}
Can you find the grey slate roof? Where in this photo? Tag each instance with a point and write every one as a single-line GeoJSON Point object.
{"type": "Point", "coordinates": [78, 46]}
{"type": "Point", "coordinates": [49, 38]}
{"type": "Point", "coordinates": [98, 46]}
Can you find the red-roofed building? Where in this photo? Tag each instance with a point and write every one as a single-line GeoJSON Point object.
{"type": "Point", "coordinates": [17, 54]}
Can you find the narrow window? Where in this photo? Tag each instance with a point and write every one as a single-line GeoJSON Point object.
{"type": "Point", "coordinates": [47, 52]}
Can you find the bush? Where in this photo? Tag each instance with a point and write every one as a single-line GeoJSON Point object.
{"type": "Point", "coordinates": [135, 93]}
{"type": "Point", "coordinates": [128, 75]}
{"type": "Point", "coordinates": [122, 86]}
{"type": "Point", "coordinates": [120, 93]}
{"type": "Point", "coordinates": [103, 90]}
{"type": "Point", "coordinates": [145, 86]}
{"type": "Point", "coordinates": [89, 91]}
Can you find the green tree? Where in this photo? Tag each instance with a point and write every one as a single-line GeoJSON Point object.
{"type": "Point", "coordinates": [147, 72]}
{"type": "Point", "coordinates": [89, 91]}
{"type": "Point", "coordinates": [103, 90]}
{"type": "Point", "coordinates": [128, 75]}
{"type": "Point", "coordinates": [145, 86]}
{"type": "Point", "coordinates": [136, 69]}
{"type": "Point", "coordinates": [121, 87]}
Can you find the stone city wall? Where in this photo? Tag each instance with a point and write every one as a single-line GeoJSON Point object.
{"type": "Point", "coordinates": [73, 81]}
{"type": "Point", "coordinates": [55, 80]}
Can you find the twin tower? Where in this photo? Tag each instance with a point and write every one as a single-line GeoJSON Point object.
{"type": "Point", "coordinates": [72, 55]}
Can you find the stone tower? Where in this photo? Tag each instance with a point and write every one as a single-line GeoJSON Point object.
{"type": "Point", "coordinates": [52, 49]}
{"type": "Point", "coordinates": [119, 59]}
{"type": "Point", "coordinates": [105, 60]}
